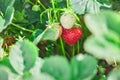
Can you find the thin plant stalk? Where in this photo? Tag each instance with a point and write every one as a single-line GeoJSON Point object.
{"type": "Point", "coordinates": [73, 51]}
{"type": "Point", "coordinates": [62, 46]}
{"type": "Point", "coordinates": [22, 28]}
{"type": "Point", "coordinates": [78, 47]}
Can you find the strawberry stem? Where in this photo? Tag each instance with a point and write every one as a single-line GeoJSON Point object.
{"type": "Point", "coordinates": [73, 51]}
{"type": "Point", "coordinates": [67, 2]}
{"type": "Point", "coordinates": [78, 47]}
{"type": "Point", "coordinates": [41, 4]}
{"type": "Point", "coordinates": [62, 46]}
{"type": "Point", "coordinates": [54, 10]}
{"type": "Point", "coordinates": [53, 4]}
{"type": "Point", "coordinates": [50, 18]}
{"type": "Point", "coordinates": [28, 1]}
{"type": "Point", "coordinates": [22, 28]}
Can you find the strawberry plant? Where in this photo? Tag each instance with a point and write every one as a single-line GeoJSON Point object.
{"type": "Point", "coordinates": [59, 39]}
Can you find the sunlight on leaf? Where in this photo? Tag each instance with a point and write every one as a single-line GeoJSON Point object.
{"type": "Point", "coordinates": [36, 72]}
{"type": "Point", "coordinates": [84, 67]}
{"type": "Point", "coordinates": [58, 71]}
{"type": "Point", "coordinates": [23, 56]}
{"type": "Point", "coordinates": [86, 6]}
{"type": "Point", "coordinates": [114, 75]}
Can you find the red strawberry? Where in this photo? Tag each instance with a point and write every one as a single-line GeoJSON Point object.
{"type": "Point", "coordinates": [71, 36]}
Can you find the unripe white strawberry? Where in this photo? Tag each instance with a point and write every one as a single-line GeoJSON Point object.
{"type": "Point", "coordinates": [67, 20]}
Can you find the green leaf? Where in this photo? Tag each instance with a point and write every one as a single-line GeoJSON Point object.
{"type": "Point", "coordinates": [50, 33]}
{"type": "Point", "coordinates": [37, 74]}
{"type": "Point", "coordinates": [16, 58]}
{"type": "Point", "coordinates": [32, 16]}
{"type": "Point", "coordinates": [2, 22]}
{"type": "Point", "coordinates": [58, 67]}
{"type": "Point", "coordinates": [1, 49]}
{"type": "Point", "coordinates": [5, 62]}
{"type": "Point", "coordinates": [9, 16]}
{"type": "Point", "coordinates": [20, 17]}
{"type": "Point", "coordinates": [114, 75]}
{"type": "Point", "coordinates": [5, 3]}
{"type": "Point", "coordinates": [3, 74]}
{"type": "Point", "coordinates": [20, 3]}
{"type": "Point", "coordinates": [79, 6]}
{"type": "Point", "coordinates": [8, 11]}
{"type": "Point", "coordinates": [86, 6]}
{"type": "Point", "coordinates": [30, 53]}
{"type": "Point", "coordinates": [105, 40]}
{"type": "Point", "coordinates": [100, 77]}
{"type": "Point", "coordinates": [35, 34]}
{"type": "Point", "coordinates": [104, 1]}
{"type": "Point", "coordinates": [102, 22]}
{"type": "Point", "coordinates": [23, 56]}
{"type": "Point", "coordinates": [104, 47]}
{"type": "Point", "coordinates": [1, 42]}
{"type": "Point", "coordinates": [58, 1]}
{"type": "Point", "coordinates": [84, 67]}
{"type": "Point", "coordinates": [6, 74]}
